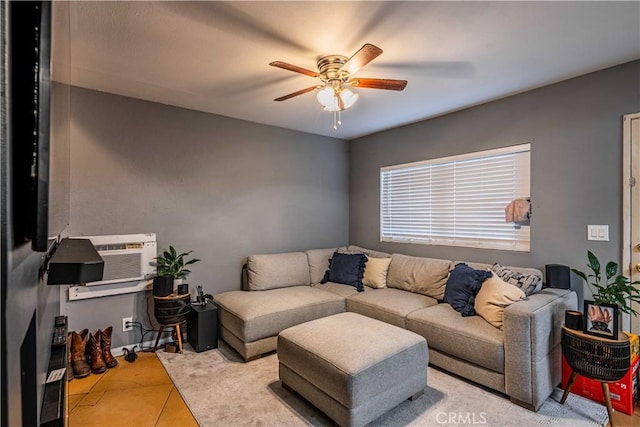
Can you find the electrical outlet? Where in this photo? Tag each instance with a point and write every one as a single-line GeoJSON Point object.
{"type": "Point", "coordinates": [126, 327]}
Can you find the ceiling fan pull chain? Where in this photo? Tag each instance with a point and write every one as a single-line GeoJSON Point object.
{"type": "Point", "coordinates": [336, 119]}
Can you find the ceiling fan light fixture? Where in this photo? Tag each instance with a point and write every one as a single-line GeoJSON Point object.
{"type": "Point", "coordinates": [348, 98]}
{"type": "Point", "coordinates": [328, 98]}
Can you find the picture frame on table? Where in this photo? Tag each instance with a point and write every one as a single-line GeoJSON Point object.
{"type": "Point", "coordinates": [601, 320]}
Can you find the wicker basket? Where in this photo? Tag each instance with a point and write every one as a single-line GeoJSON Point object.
{"type": "Point", "coordinates": [600, 360]}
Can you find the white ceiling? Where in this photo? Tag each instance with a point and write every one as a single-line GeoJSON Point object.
{"type": "Point", "coordinates": [214, 56]}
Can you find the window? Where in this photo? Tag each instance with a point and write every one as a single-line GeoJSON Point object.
{"type": "Point", "coordinates": [456, 201]}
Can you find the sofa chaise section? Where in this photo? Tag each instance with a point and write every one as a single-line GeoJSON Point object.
{"type": "Point", "coordinates": [280, 295]}
{"type": "Point", "coordinates": [252, 320]}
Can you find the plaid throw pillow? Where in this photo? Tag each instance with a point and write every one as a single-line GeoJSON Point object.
{"type": "Point", "coordinates": [528, 283]}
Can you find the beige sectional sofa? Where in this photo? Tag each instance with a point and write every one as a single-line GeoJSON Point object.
{"type": "Point", "coordinates": [521, 360]}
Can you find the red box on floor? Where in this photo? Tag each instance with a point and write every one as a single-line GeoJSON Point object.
{"type": "Point", "coordinates": [624, 393]}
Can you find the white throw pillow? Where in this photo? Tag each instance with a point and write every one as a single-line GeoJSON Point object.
{"type": "Point", "coordinates": [375, 272]}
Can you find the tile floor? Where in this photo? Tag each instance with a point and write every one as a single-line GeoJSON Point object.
{"type": "Point", "coordinates": [142, 394]}
{"type": "Point", "coordinates": [131, 394]}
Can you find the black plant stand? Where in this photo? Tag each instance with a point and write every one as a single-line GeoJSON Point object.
{"type": "Point", "coordinates": [171, 311]}
{"type": "Point", "coordinates": [596, 358]}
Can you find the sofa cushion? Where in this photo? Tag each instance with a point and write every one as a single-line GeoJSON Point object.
{"type": "Point", "coordinates": [468, 338]}
{"type": "Point", "coordinates": [347, 269]}
{"type": "Point", "coordinates": [493, 297]}
{"type": "Point", "coordinates": [462, 286]}
{"type": "Point", "coordinates": [427, 276]}
{"type": "Point", "coordinates": [370, 253]}
{"type": "Point", "coordinates": [375, 272]}
{"type": "Point", "coordinates": [319, 263]}
{"type": "Point", "coordinates": [339, 288]}
{"type": "Point", "coordinates": [255, 315]}
{"type": "Point", "coordinates": [528, 282]}
{"type": "Point", "coordinates": [388, 305]}
{"type": "Point", "coordinates": [277, 271]}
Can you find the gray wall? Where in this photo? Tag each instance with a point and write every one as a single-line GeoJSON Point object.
{"type": "Point", "coordinates": [575, 130]}
{"type": "Point", "coordinates": [222, 187]}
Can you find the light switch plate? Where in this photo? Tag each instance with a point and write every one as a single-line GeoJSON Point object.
{"type": "Point", "coordinates": [598, 232]}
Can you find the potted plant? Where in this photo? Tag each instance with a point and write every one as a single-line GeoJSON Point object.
{"type": "Point", "coordinates": [171, 266]}
{"type": "Point", "coordinates": [616, 289]}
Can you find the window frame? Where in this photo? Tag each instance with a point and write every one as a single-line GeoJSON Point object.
{"type": "Point", "coordinates": [521, 242]}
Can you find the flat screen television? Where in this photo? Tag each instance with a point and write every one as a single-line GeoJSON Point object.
{"type": "Point", "coordinates": [30, 90]}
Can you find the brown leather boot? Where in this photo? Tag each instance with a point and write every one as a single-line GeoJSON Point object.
{"type": "Point", "coordinates": [105, 342]}
{"type": "Point", "coordinates": [97, 362]}
{"type": "Point", "coordinates": [69, 368]}
{"type": "Point", "coordinates": [79, 364]}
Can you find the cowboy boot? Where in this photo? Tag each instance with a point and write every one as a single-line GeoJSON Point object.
{"type": "Point", "coordinates": [79, 364]}
{"type": "Point", "coordinates": [105, 342]}
{"type": "Point", "coordinates": [97, 362]}
{"type": "Point", "coordinates": [69, 368]}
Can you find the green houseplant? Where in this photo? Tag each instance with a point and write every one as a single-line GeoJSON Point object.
{"type": "Point", "coordinates": [171, 266]}
{"type": "Point", "coordinates": [170, 263]}
{"type": "Point", "coordinates": [614, 288]}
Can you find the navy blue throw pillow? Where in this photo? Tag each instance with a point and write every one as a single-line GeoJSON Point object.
{"type": "Point", "coordinates": [347, 269]}
{"type": "Point", "coordinates": [462, 287]}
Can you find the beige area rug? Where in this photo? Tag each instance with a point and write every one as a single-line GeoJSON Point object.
{"type": "Point", "coordinates": [221, 390]}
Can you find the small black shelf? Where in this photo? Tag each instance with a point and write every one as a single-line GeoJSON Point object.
{"type": "Point", "coordinates": [75, 261]}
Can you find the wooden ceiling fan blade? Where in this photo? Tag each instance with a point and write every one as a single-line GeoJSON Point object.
{"type": "Point", "coordinates": [294, 68]}
{"type": "Point", "coordinates": [300, 92]}
{"type": "Point", "coordinates": [362, 57]}
{"type": "Point", "coordinates": [387, 84]}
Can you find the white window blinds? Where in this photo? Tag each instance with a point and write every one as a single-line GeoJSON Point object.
{"type": "Point", "coordinates": [456, 201]}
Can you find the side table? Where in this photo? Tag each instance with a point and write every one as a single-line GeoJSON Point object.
{"type": "Point", "coordinates": [171, 311]}
{"type": "Point", "coordinates": [600, 359]}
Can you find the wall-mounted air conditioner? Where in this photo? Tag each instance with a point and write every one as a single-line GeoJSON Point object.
{"type": "Point", "coordinates": [128, 265]}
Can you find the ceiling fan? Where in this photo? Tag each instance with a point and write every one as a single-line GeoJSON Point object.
{"type": "Point", "coordinates": [334, 71]}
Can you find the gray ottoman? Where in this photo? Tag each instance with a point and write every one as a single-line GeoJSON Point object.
{"type": "Point", "coordinates": [352, 367]}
